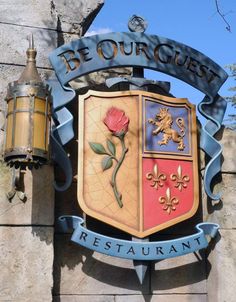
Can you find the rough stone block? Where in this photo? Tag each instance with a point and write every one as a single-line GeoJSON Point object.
{"type": "Point", "coordinates": [7, 74]}
{"type": "Point", "coordinates": [182, 275]}
{"type": "Point", "coordinates": [202, 160]}
{"type": "Point", "coordinates": [222, 269]}
{"type": "Point", "coordinates": [30, 13]}
{"type": "Point", "coordinates": [26, 261]}
{"type": "Point", "coordinates": [37, 207]}
{"type": "Point", "coordinates": [133, 298]}
{"type": "Point", "coordinates": [224, 212]}
{"type": "Point", "coordinates": [75, 16]}
{"type": "Point", "coordinates": [162, 298]}
{"type": "Point", "coordinates": [80, 298]}
{"type": "Point", "coordinates": [13, 50]}
{"type": "Point", "coordinates": [45, 42]}
{"type": "Point", "coordinates": [66, 204]}
{"type": "Point", "coordinates": [227, 138]}
{"type": "Point", "coordinates": [68, 16]}
{"type": "Point", "coordinates": [96, 80]}
{"type": "Point", "coordinates": [79, 271]}
{"type": "Point", "coordinates": [229, 146]}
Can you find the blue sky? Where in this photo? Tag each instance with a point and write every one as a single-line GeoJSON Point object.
{"type": "Point", "coordinates": [192, 22]}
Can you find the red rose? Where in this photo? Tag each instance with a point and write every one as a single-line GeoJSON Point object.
{"type": "Point", "coordinates": [116, 121]}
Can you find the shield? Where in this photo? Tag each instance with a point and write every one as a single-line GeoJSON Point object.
{"type": "Point", "coordinates": [138, 165]}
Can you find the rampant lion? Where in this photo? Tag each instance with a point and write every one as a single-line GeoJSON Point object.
{"type": "Point", "coordinates": [163, 120]}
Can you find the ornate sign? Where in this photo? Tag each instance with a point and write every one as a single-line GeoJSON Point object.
{"type": "Point", "coordinates": [138, 153]}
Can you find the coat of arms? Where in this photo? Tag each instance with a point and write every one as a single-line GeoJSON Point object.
{"type": "Point", "coordinates": [138, 167]}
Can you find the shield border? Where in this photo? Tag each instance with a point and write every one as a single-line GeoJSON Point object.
{"type": "Point", "coordinates": [194, 158]}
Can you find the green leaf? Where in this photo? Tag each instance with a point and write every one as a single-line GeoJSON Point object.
{"type": "Point", "coordinates": [106, 163]}
{"type": "Point", "coordinates": [97, 148]}
{"type": "Point", "coordinates": [111, 147]}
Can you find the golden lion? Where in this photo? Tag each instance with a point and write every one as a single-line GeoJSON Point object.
{"type": "Point", "coordinates": [163, 120]}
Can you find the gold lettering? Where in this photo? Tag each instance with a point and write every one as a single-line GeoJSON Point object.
{"type": "Point", "coordinates": [177, 62]}
{"type": "Point", "coordinates": [203, 71]}
{"type": "Point", "coordinates": [107, 49]}
{"type": "Point", "coordinates": [166, 59]}
{"type": "Point", "coordinates": [123, 49]}
{"type": "Point", "coordinates": [213, 76]}
{"type": "Point", "coordinates": [142, 48]}
{"type": "Point", "coordinates": [192, 65]}
{"type": "Point", "coordinates": [84, 52]}
{"type": "Point", "coordinates": [70, 60]}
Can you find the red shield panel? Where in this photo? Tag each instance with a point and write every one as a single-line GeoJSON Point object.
{"type": "Point", "coordinates": [138, 167]}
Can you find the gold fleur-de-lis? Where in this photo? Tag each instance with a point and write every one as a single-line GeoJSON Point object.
{"type": "Point", "coordinates": [169, 203]}
{"type": "Point", "coordinates": [181, 180]}
{"type": "Point", "coordinates": [156, 178]}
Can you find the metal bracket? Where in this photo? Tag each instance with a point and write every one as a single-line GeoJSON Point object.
{"type": "Point", "coordinates": [17, 185]}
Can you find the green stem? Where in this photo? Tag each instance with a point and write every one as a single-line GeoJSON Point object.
{"type": "Point", "coordinates": [117, 167]}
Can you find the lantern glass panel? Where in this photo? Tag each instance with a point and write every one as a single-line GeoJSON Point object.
{"type": "Point", "coordinates": [22, 129]}
{"type": "Point", "coordinates": [23, 103]}
{"type": "Point", "coordinates": [9, 131]}
{"type": "Point", "coordinates": [40, 132]}
{"type": "Point", "coordinates": [10, 105]}
{"type": "Point", "coordinates": [39, 105]}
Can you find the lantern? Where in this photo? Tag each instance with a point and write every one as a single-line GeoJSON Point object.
{"type": "Point", "coordinates": [27, 117]}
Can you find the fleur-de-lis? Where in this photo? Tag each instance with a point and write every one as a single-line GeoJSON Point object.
{"type": "Point", "coordinates": [156, 178]}
{"type": "Point", "coordinates": [180, 179]}
{"type": "Point", "coordinates": [169, 203]}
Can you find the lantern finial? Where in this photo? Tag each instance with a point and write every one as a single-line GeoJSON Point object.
{"type": "Point", "coordinates": [30, 73]}
{"type": "Point", "coordinates": [31, 41]}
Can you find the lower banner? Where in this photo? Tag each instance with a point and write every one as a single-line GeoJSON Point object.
{"type": "Point", "coordinates": [138, 250]}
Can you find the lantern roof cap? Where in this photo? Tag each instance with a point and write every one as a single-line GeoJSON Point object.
{"type": "Point", "coordinates": [30, 73]}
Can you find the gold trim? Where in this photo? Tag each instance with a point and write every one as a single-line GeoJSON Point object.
{"type": "Point", "coordinates": [141, 94]}
{"type": "Point", "coordinates": [167, 156]}
{"type": "Point", "coordinates": [140, 203]}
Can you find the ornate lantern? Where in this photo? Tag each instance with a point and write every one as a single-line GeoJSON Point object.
{"type": "Point", "coordinates": [27, 117]}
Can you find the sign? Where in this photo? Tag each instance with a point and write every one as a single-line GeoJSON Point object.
{"type": "Point", "coordinates": [138, 165]}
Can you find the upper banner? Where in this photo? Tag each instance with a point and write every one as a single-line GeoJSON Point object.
{"type": "Point", "coordinates": [110, 50]}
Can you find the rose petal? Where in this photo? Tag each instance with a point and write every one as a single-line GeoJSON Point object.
{"type": "Point", "coordinates": [116, 120]}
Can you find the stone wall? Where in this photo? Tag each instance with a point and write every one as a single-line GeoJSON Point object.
{"type": "Point", "coordinates": [27, 227]}
{"type": "Point", "coordinates": [38, 262]}
{"type": "Point", "coordinates": [83, 275]}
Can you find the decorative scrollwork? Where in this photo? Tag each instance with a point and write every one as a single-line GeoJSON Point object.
{"type": "Point", "coordinates": [169, 203]}
{"type": "Point", "coordinates": [181, 180]}
{"type": "Point", "coordinates": [156, 178]}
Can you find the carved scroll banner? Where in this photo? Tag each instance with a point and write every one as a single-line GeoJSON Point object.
{"type": "Point", "coordinates": [135, 250]}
